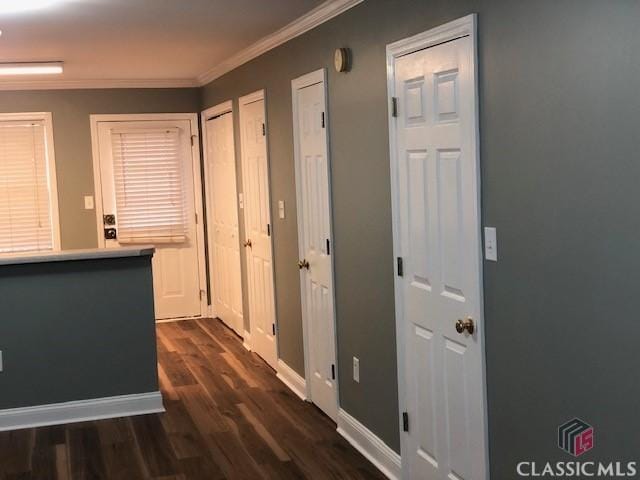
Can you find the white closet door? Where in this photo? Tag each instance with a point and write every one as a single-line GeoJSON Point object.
{"type": "Point", "coordinates": [437, 226]}
{"type": "Point", "coordinates": [257, 217]}
{"type": "Point", "coordinates": [224, 242]}
{"type": "Point", "coordinates": [314, 237]}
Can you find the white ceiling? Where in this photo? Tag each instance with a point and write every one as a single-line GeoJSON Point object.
{"type": "Point", "coordinates": [130, 40]}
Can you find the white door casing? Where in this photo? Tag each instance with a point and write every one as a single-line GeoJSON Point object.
{"type": "Point", "coordinates": [257, 220]}
{"type": "Point", "coordinates": [436, 221]}
{"type": "Point", "coordinates": [310, 124]}
{"type": "Point", "coordinates": [178, 268]}
{"type": "Point", "coordinates": [222, 216]}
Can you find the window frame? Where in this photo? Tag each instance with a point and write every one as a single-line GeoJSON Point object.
{"type": "Point", "coordinates": [52, 179]}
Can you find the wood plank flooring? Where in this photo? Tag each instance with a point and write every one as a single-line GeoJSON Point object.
{"type": "Point", "coordinates": [228, 417]}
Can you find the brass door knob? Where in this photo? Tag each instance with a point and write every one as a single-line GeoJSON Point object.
{"type": "Point", "coordinates": [468, 325]}
{"type": "Point", "coordinates": [247, 243]}
{"type": "Point", "coordinates": [303, 264]}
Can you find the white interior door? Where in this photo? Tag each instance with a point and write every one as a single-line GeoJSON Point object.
{"type": "Point", "coordinates": [147, 185]}
{"type": "Point", "coordinates": [314, 237]}
{"type": "Point", "coordinates": [257, 217]}
{"type": "Point", "coordinates": [437, 230]}
{"type": "Point", "coordinates": [224, 241]}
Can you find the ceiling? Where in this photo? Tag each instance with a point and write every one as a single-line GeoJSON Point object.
{"type": "Point", "coordinates": [170, 41]}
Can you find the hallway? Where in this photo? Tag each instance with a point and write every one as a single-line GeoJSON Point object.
{"type": "Point", "coordinates": [227, 416]}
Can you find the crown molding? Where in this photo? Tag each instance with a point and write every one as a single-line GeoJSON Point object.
{"type": "Point", "coordinates": [96, 84]}
{"type": "Point", "coordinates": [319, 15]}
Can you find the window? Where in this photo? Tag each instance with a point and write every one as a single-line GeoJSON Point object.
{"type": "Point", "coordinates": [28, 194]}
{"type": "Point", "coordinates": [149, 185]}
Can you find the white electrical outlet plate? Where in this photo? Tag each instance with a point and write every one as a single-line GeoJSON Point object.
{"type": "Point", "coordinates": [490, 244]}
{"type": "Point", "coordinates": [356, 369]}
{"type": "Point", "coordinates": [281, 208]}
{"type": "Point", "coordinates": [88, 202]}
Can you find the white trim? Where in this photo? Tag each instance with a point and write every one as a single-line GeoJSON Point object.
{"type": "Point", "coordinates": [246, 340]}
{"type": "Point", "coordinates": [208, 114]}
{"type": "Point", "coordinates": [192, 118]}
{"type": "Point", "coordinates": [465, 26]}
{"type": "Point", "coordinates": [368, 444]}
{"type": "Point", "coordinates": [47, 119]}
{"type": "Point", "coordinates": [312, 78]}
{"type": "Point", "coordinates": [252, 97]}
{"type": "Point", "coordinates": [291, 379]}
{"type": "Point", "coordinates": [319, 15]}
{"type": "Point", "coordinates": [81, 411]}
{"type": "Point", "coordinates": [220, 109]}
{"type": "Point", "coordinates": [97, 84]}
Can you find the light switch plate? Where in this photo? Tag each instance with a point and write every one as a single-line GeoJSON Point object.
{"type": "Point", "coordinates": [356, 369]}
{"type": "Point", "coordinates": [281, 208]}
{"type": "Point", "coordinates": [490, 244]}
{"type": "Point", "coordinates": [88, 202]}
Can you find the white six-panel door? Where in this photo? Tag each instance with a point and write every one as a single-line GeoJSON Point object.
{"type": "Point", "coordinates": [438, 288]}
{"type": "Point", "coordinates": [176, 264]}
{"type": "Point", "coordinates": [314, 238]}
{"type": "Point", "coordinates": [257, 218]}
{"type": "Point", "coordinates": [224, 241]}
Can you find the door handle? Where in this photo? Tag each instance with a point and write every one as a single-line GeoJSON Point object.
{"type": "Point", "coordinates": [468, 325]}
{"type": "Point", "coordinates": [247, 243]}
{"type": "Point", "coordinates": [303, 264]}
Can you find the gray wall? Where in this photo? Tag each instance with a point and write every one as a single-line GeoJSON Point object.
{"type": "Point", "coordinates": [559, 128]}
{"type": "Point", "coordinates": [87, 331]}
{"type": "Point", "coordinates": [72, 141]}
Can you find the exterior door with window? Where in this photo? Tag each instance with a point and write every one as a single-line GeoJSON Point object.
{"type": "Point", "coordinates": [148, 197]}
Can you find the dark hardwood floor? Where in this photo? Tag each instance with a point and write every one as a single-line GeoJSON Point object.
{"type": "Point", "coordinates": [228, 417]}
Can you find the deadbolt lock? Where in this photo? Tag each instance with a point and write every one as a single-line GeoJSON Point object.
{"type": "Point", "coordinates": [303, 264]}
{"type": "Point", "coordinates": [468, 325]}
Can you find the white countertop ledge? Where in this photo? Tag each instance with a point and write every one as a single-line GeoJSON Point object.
{"type": "Point", "coordinates": [75, 255]}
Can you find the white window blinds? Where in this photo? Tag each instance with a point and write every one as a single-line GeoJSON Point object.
{"type": "Point", "coordinates": [149, 186]}
{"type": "Point", "coordinates": [25, 193]}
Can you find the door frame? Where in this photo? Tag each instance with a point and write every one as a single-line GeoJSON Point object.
{"type": "Point", "coordinates": [206, 115]}
{"type": "Point", "coordinates": [192, 118]}
{"type": "Point", "coordinates": [242, 103]}
{"type": "Point", "coordinates": [462, 27]}
{"type": "Point", "coordinates": [312, 78]}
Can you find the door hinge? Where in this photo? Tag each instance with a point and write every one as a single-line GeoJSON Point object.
{"type": "Point", "coordinates": [322, 119]}
{"type": "Point", "coordinates": [333, 371]}
{"type": "Point", "coordinates": [264, 130]}
{"type": "Point", "coordinates": [268, 229]}
{"type": "Point", "coordinates": [400, 267]}
{"type": "Point", "coordinates": [202, 294]}
{"type": "Point", "coordinates": [328, 247]}
{"type": "Point", "coordinates": [273, 329]}
{"type": "Point", "coordinates": [193, 142]}
{"type": "Point", "coordinates": [394, 106]}
{"type": "Point", "coordinates": [405, 421]}
{"type": "Point", "coordinates": [196, 218]}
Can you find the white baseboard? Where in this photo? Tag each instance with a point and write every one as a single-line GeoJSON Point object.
{"type": "Point", "coordinates": [291, 379]}
{"type": "Point", "coordinates": [369, 445]}
{"type": "Point", "coordinates": [81, 411]}
{"type": "Point", "coordinates": [246, 340]}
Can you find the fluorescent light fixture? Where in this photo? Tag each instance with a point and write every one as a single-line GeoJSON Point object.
{"type": "Point", "coordinates": [17, 6]}
{"type": "Point", "coordinates": [31, 68]}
